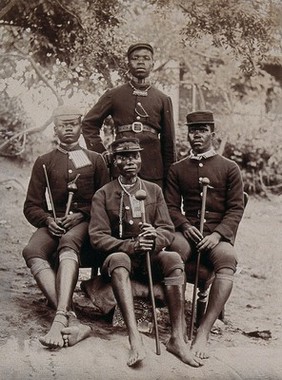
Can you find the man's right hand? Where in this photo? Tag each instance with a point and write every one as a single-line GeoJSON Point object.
{"type": "Point", "coordinates": [192, 233]}
{"type": "Point", "coordinates": [54, 228]}
{"type": "Point", "coordinates": [143, 244]}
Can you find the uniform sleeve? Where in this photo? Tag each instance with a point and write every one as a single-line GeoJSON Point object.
{"type": "Point", "coordinates": [100, 228]}
{"type": "Point", "coordinates": [174, 199]}
{"type": "Point", "coordinates": [234, 205]}
{"type": "Point", "coordinates": [167, 137]}
{"type": "Point", "coordinates": [35, 206]}
{"type": "Point", "coordinates": [93, 122]}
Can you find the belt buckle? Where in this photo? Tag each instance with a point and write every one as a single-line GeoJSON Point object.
{"type": "Point", "coordinates": [137, 126]}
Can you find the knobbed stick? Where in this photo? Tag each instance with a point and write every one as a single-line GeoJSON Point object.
{"type": "Point", "coordinates": [141, 196]}
{"type": "Point", "coordinates": [205, 182]}
{"type": "Point", "coordinates": [49, 192]}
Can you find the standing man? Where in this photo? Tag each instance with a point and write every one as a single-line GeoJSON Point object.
{"type": "Point", "coordinates": [117, 232]}
{"type": "Point", "coordinates": [52, 253]}
{"type": "Point", "coordinates": [224, 210]}
{"type": "Point", "coordinates": [138, 110]}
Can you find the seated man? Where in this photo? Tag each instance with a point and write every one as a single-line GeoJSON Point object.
{"type": "Point", "coordinates": [63, 233]}
{"type": "Point", "coordinates": [224, 210]}
{"type": "Point", "coordinates": [116, 231]}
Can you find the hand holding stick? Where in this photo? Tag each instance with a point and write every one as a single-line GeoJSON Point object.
{"type": "Point", "coordinates": [49, 192]}
{"type": "Point", "coordinates": [205, 182]}
{"type": "Point", "coordinates": [72, 188]}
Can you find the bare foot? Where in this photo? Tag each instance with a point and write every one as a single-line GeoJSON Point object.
{"type": "Point", "coordinates": [137, 352]}
{"type": "Point", "coordinates": [180, 349]}
{"type": "Point", "coordinates": [54, 339]}
{"type": "Point", "coordinates": [199, 346]}
{"type": "Point", "coordinates": [74, 334]}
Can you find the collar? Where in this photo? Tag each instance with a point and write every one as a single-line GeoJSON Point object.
{"type": "Point", "coordinates": [205, 155]}
{"type": "Point", "coordinates": [66, 151]}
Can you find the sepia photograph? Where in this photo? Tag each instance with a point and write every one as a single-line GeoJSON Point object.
{"type": "Point", "coordinates": [141, 189]}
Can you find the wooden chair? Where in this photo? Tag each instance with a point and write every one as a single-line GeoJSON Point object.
{"type": "Point", "coordinates": [205, 279]}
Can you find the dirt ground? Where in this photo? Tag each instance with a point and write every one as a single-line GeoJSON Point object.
{"type": "Point", "coordinates": [248, 345]}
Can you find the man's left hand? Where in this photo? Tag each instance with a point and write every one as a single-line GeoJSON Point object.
{"type": "Point", "coordinates": [148, 231]}
{"type": "Point", "coordinates": [209, 242]}
{"type": "Point", "coordinates": [71, 220]}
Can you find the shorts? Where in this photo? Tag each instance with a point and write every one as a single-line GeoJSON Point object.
{"type": "Point", "coordinates": [162, 264]}
{"type": "Point", "coordinates": [221, 256]}
{"type": "Point", "coordinates": [46, 246]}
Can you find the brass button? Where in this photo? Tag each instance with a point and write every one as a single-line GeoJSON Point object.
{"type": "Point", "coordinates": [201, 165]}
{"type": "Point", "coordinates": [130, 222]}
{"type": "Point", "coordinates": [138, 117]}
{"type": "Point", "coordinates": [127, 207]}
{"type": "Point", "coordinates": [70, 171]}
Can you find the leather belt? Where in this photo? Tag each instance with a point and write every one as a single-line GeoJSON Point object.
{"type": "Point", "coordinates": [208, 214]}
{"type": "Point", "coordinates": [136, 127]}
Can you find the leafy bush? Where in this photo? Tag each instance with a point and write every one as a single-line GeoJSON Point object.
{"type": "Point", "coordinates": [261, 170]}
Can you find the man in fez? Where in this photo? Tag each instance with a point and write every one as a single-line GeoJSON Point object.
{"type": "Point", "coordinates": [224, 210]}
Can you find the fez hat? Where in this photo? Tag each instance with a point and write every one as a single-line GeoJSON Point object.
{"type": "Point", "coordinates": [125, 145]}
{"type": "Point", "coordinates": [66, 112]}
{"type": "Point", "coordinates": [139, 45]}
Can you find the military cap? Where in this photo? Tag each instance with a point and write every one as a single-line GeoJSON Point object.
{"type": "Point", "coordinates": [125, 145]}
{"type": "Point", "coordinates": [139, 45]}
{"type": "Point", "coordinates": [200, 117]}
{"type": "Point", "coordinates": [66, 112]}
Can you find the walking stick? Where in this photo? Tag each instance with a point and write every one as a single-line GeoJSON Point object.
{"type": "Point", "coordinates": [141, 196]}
{"type": "Point", "coordinates": [49, 193]}
{"type": "Point", "coordinates": [72, 188]}
{"type": "Point", "coordinates": [205, 182]}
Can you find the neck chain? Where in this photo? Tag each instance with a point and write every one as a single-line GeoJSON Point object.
{"type": "Point", "coordinates": [132, 200]}
{"type": "Point", "coordinates": [123, 186]}
{"type": "Point", "coordinates": [139, 92]}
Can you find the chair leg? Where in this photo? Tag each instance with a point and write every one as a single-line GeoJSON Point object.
{"type": "Point", "coordinates": [201, 305]}
{"type": "Point", "coordinates": [94, 272]}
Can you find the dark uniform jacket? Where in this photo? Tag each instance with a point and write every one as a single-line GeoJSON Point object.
{"type": "Point", "coordinates": [224, 203]}
{"type": "Point", "coordinates": [109, 207]}
{"type": "Point", "coordinates": [61, 170]}
{"type": "Point", "coordinates": [159, 150]}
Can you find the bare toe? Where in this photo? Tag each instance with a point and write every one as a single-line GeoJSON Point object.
{"type": "Point", "coordinates": [54, 339]}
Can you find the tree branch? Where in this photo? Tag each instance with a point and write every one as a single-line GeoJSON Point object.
{"type": "Point", "coordinates": [26, 132]}
{"type": "Point", "coordinates": [7, 8]}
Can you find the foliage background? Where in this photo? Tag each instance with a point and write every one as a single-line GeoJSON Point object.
{"type": "Point", "coordinates": [223, 55]}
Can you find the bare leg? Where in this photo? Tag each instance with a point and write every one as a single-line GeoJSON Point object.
{"type": "Point", "coordinates": [45, 278]}
{"type": "Point", "coordinates": [75, 332]}
{"type": "Point", "coordinates": [123, 292]}
{"type": "Point", "coordinates": [219, 294]}
{"type": "Point", "coordinates": [176, 344]}
{"type": "Point", "coordinates": [66, 280]}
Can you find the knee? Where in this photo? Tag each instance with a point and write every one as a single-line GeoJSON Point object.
{"type": "Point", "coordinates": [37, 265]}
{"type": "Point", "coordinates": [68, 254]}
{"type": "Point", "coordinates": [224, 258]}
{"type": "Point", "coordinates": [118, 263]}
{"type": "Point", "coordinates": [225, 274]}
{"type": "Point", "coordinates": [27, 254]}
{"type": "Point", "coordinates": [172, 267]}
